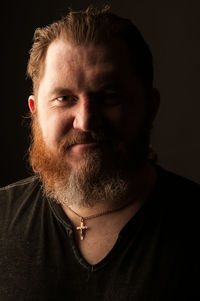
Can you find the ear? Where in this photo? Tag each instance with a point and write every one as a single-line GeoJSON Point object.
{"type": "Point", "coordinates": [31, 103]}
{"type": "Point", "coordinates": [154, 106]}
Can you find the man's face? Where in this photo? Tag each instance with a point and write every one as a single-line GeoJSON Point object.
{"type": "Point", "coordinates": [90, 110]}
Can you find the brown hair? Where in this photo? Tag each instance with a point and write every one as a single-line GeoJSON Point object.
{"type": "Point", "coordinates": [84, 27]}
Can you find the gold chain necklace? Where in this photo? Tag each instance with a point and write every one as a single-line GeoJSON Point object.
{"type": "Point", "coordinates": [82, 228]}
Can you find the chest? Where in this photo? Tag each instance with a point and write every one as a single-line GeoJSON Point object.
{"type": "Point", "coordinates": [50, 263]}
{"type": "Point", "coordinates": [51, 270]}
{"type": "Point", "coordinates": [94, 248]}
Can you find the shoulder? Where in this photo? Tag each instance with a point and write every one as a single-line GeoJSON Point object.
{"type": "Point", "coordinates": [21, 187]}
{"type": "Point", "coordinates": [19, 195]}
{"type": "Point", "coordinates": [174, 184]}
{"type": "Point", "coordinates": [19, 183]}
{"type": "Point", "coordinates": [178, 198]}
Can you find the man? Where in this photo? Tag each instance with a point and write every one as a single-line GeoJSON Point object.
{"type": "Point", "coordinates": [98, 220]}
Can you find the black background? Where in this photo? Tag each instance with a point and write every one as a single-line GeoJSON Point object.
{"type": "Point", "coordinates": [172, 28]}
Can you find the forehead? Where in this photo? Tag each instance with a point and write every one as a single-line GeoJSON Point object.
{"type": "Point", "coordinates": [114, 53]}
{"type": "Point", "coordinates": [77, 65]}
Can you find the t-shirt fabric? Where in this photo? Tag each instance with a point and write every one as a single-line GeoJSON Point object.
{"type": "Point", "coordinates": [155, 258]}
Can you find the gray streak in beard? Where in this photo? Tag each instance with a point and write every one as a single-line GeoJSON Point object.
{"type": "Point", "coordinates": [90, 184]}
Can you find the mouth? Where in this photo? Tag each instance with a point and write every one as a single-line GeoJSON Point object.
{"type": "Point", "coordinates": [85, 145]}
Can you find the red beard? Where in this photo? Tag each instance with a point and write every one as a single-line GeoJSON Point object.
{"type": "Point", "coordinates": [96, 171]}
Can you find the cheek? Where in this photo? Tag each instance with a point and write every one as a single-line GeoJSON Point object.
{"type": "Point", "coordinates": [54, 127]}
{"type": "Point", "coordinates": [128, 120]}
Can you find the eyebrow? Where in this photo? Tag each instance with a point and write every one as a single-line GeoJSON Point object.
{"type": "Point", "coordinates": [102, 86]}
{"type": "Point", "coordinates": [59, 91]}
{"type": "Point", "coordinates": [110, 86]}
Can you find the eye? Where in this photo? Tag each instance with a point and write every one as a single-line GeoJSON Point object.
{"type": "Point", "coordinates": [112, 99]}
{"type": "Point", "coordinates": [66, 100]}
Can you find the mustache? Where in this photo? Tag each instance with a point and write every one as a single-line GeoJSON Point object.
{"type": "Point", "coordinates": [78, 137]}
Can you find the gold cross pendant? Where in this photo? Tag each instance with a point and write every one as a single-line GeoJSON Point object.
{"type": "Point", "coordinates": [82, 228]}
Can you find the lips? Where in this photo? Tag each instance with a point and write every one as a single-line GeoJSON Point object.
{"type": "Point", "coordinates": [85, 144]}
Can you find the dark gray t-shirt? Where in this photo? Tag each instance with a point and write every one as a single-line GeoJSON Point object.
{"type": "Point", "coordinates": [156, 256]}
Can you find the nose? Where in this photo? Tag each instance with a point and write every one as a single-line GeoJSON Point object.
{"type": "Point", "coordinates": [86, 115]}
